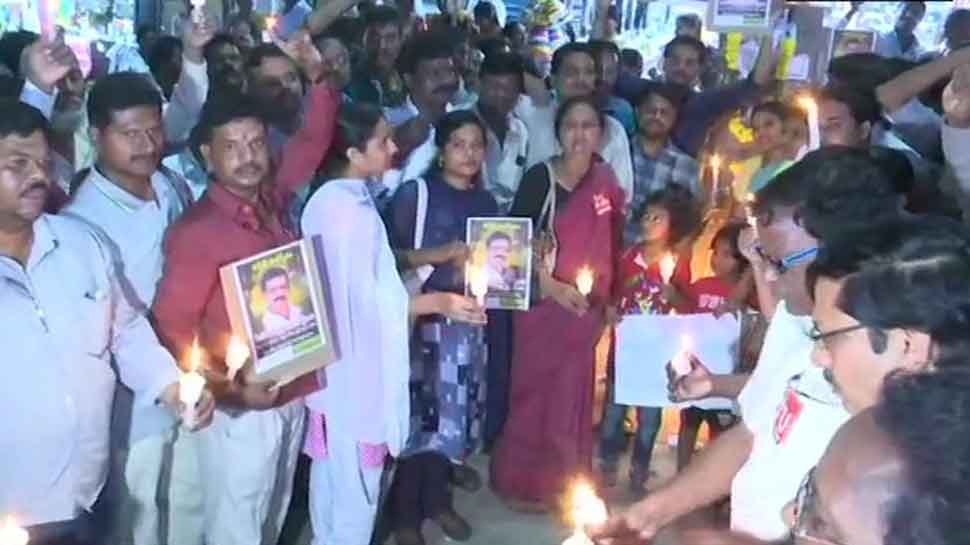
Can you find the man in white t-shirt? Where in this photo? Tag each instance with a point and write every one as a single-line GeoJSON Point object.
{"type": "Point", "coordinates": [789, 410]}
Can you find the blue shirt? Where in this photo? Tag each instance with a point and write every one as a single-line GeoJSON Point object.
{"type": "Point", "coordinates": [64, 322]}
{"type": "Point", "coordinates": [621, 111]}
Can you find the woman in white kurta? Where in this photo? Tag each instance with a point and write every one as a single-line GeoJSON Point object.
{"type": "Point", "coordinates": [362, 413]}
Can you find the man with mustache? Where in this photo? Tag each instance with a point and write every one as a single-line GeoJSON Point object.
{"type": "Point", "coordinates": [243, 213]}
{"type": "Point", "coordinates": [69, 327]}
{"type": "Point", "coordinates": [789, 410]}
{"type": "Point", "coordinates": [132, 200]}
{"type": "Point", "coordinates": [427, 64]}
{"type": "Point", "coordinates": [377, 80]}
{"type": "Point", "coordinates": [224, 65]}
{"type": "Point", "coordinates": [224, 70]}
{"type": "Point", "coordinates": [281, 314]}
{"type": "Point", "coordinates": [277, 85]}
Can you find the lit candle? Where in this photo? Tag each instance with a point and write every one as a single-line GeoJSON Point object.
{"type": "Point", "coordinates": [667, 266]}
{"type": "Point", "coordinates": [237, 353]}
{"type": "Point", "coordinates": [681, 362]}
{"type": "Point", "coordinates": [478, 283]}
{"type": "Point", "coordinates": [270, 27]}
{"type": "Point", "coordinates": [191, 384]}
{"type": "Point", "coordinates": [12, 534]}
{"type": "Point", "coordinates": [715, 176]}
{"type": "Point", "coordinates": [584, 281]}
{"type": "Point", "coordinates": [579, 537]}
{"type": "Point", "coordinates": [808, 104]}
{"type": "Point", "coordinates": [48, 10]}
{"type": "Point", "coordinates": [197, 6]}
{"type": "Point", "coordinates": [587, 509]}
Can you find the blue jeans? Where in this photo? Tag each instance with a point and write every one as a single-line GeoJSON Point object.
{"type": "Point", "coordinates": [612, 438]}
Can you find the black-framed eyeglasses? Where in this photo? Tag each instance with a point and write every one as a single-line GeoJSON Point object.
{"type": "Point", "coordinates": [807, 523]}
{"type": "Point", "coordinates": [820, 337]}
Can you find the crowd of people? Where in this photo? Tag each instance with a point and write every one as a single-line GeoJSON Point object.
{"type": "Point", "coordinates": [375, 134]}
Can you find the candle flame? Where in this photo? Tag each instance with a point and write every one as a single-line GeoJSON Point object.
{"type": "Point", "coordinates": [194, 358]}
{"type": "Point", "coordinates": [681, 363]}
{"type": "Point", "coordinates": [667, 266]}
{"type": "Point", "coordinates": [236, 355]}
{"type": "Point", "coordinates": [586, 507]}
{"type": "Point", "coordinates": [270, 23]}
{"type": "Point", "coordinates": [685, 342]}
{"type": "Point", "coordinates": [584, 281]}
{"type": "Point", "coordinates": [807, 103]}
{"type": "Point", "coordinates": [716, 161]}
{"type": "Point", "coordinates": [478, 283]}
{"type": "Point", "coordinates": [12, 534]}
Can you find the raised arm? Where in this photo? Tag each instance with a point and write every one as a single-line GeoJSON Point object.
{"type": "Point", "coordinates": [306, 149]}
{"type": "Point", "coordinates": [956, 130]}
{"type": "Point", "coordinates": [326, 13]}
{"type": "Point", "coordinates": [44, 63]}
{"type": "Point", "coordinates": [601, 23]}
{"type": "Point", "coordinates": [182, 111]}
{"type": "Point", "coordinates": [895, 93]}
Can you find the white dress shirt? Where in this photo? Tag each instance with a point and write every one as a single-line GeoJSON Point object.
{"type": "Point", "coordinates": [540, 121]}
{"type": "Point", "coordinates": [505, 162]}
{"type": "Point", "coordinates": [136, 231]}
{"type": "Point", "coordinates": [64, 318]}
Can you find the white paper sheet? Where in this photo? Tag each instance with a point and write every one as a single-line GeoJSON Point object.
{"type": "Point", "coordinates": [645, 343]}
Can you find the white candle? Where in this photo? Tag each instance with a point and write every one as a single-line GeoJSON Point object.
{"type": "Point", "coordinates": [681, 362]}
{"type": "Point", "coordinates": [197, 6]}
{"type": "Point", "coordinates": [237, 353]}
{"type": "Point", "coordinates": [12, 534]}
{"type": "Point", "coordinates": [584, 281]}
{"type": "Point", "coordinates": [191, 384]}
{"type": "Point", "coordinates": [715, 177]}
{"type": "Point", "coordinates": [578, 538]}
{"type": "Point", "coordinates": [270, 28]}
{"type": "Point", "coordinates": [808, 104]}
{"type": "Point", "coordinates": [478, 283]}
{"type": "Point", "coordinates": [667, 266]}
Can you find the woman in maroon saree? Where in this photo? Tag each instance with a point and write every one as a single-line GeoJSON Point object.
{"type": "Point", "coordinates": [577, 206]}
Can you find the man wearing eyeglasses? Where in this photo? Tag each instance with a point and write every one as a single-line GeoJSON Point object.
{"type": "Point", "coordinates": [890, 300]}
{"type": "Point", "coordinates": [789, 410]}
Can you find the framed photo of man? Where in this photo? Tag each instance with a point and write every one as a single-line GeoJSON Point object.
{"type": "Point", "coordinates": [847, 42]}
{"type": "Point", "coordinates": [276, 304]}
{"type": "Point", "coordinates": [501, 252]}
{"type": "Point", "coordinates": [747, 16]}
